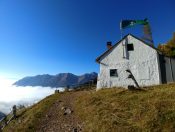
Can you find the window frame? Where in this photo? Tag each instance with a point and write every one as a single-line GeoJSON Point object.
{"type": "Point", "coordinates": [130, 49]}
{"type": "Point", "coordinates": [114, 74]}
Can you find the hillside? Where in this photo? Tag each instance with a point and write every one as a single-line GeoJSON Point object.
{"type": "Point", "coordinates": [1, 115]}
{"type": "Point", "coordinates": [59, 80]}
{"type": "Point", "coordinates": [116, 109]}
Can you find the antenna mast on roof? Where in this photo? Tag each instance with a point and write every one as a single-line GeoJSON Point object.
{"type": "Point", "coordinates": [148, 34]}
{"type": "Point", "coordinates": [121, 34]}
{"type": "Point", "coordinates": [146, 29]}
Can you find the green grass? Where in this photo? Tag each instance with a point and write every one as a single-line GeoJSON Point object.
{"type": "Point", "coordinates": [29, 118]}
{"type": "Point", "coordinates": [117, 109]}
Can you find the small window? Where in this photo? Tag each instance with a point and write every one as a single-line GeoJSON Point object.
{"type": "Point", "coordinates": [113, 73]}
{"type": "Point", "coordinates": [130, 47]}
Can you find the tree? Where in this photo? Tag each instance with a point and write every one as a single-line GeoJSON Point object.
{"type": "Point", "coordinates": [168, 49]}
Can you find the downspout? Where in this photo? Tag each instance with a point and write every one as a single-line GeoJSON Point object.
{"type": "Point", "coordinates": [171, 70]}
{"type": "Point", "coordinates": [159, 69]}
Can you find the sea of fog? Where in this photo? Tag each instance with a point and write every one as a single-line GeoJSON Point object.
{"type": "Point", "coordinates": [12, 95]}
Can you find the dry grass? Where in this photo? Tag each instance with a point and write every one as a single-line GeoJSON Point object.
{"type": "Point", "coordinates": [28, 120]}
{"type": "Point", "coordinates": [117, 109]}
{"type": "Point", "coordinates": [112, 110]}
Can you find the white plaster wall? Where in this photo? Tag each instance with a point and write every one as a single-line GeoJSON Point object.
{"type": "Point", "coordinates": [142, 62]}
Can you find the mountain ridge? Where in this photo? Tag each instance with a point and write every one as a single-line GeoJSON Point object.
{"type": "Point", "coordinates": [58, 80]}
{"type": "Point", "coordinates": [1, 115]}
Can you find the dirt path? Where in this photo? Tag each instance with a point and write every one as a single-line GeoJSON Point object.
{"type": "Point", "coordinates": [61, 117]}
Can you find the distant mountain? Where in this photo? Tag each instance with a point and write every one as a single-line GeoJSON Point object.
{"type": "Point", "coordinates": [1, 115]}
{"type": "Point", "coordinates": [59, 80]}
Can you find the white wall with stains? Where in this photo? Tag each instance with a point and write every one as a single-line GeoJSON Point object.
{"type": "Point", "coordinates": [143, 63]}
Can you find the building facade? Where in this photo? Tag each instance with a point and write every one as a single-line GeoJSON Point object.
{"type": "Point", "coordinates": [130, 53]}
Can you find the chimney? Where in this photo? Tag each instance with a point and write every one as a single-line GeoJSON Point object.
{"type": "Point", "coordinates": [109, 45]}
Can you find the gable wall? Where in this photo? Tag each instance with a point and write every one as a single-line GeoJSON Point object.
{"type": "Point", "coordinates": [142, 62]}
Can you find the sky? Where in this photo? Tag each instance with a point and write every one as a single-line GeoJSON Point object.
{"type": "Point", "coordinates": [60, 36]}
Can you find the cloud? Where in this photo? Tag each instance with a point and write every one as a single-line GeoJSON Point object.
{"type": "Point", "coordinates": [13, 95]}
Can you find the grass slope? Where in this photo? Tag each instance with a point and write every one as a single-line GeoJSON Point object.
{"type": "Point", "coordinates": [114, 109]}
{"type": "Point", "coordinates": [29, 118]}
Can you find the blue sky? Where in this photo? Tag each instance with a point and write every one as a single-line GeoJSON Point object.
{"type": "Point", "coordinates": [53, 36]}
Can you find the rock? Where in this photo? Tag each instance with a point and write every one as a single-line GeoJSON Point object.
{"type": "Point", "coordinates": [63, 108]}
{"type": "Point", "coordinates": [75, 130]}
{"type": "Point", "coordinates": [67, 111]}
{"type": "Point", "coordinates": [19, 121]}
{"type": "Point", "coordinates": [48, 116]}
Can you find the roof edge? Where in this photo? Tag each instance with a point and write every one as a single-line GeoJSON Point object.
{"type": "Point", "coordinates": [99, 57]}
